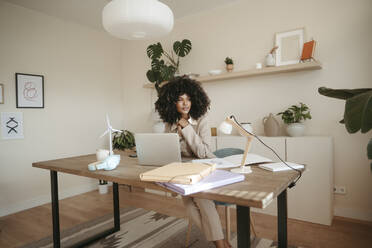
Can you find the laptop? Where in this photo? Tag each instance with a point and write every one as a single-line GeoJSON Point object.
{"type": "Point", "coordinates": [157, 149]}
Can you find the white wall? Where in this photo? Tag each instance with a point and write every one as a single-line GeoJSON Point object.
{"type": "Point", "coordinates": [82, 74]}
{"type": "Point", "coordinates": [245, 31]}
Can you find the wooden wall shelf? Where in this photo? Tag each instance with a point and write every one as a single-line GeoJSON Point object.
{"type": "Point", "coordinates": [313, 65]}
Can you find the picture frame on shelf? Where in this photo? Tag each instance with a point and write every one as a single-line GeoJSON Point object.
{"type": "Point", "coordinates": [290, 44]}
{"type": "Point", "coordinates": [1, 93]}
{"type": "Point", "coordinates": [29, 90]}
{"type": "Point", "coordinates": [308, 51]}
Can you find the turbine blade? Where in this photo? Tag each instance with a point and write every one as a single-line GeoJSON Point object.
{"type": "Point", "coordinates": [115, 130]}
{"type": "Point", "coordinates": [104, 133]}
{"type": "Point", "coordinates": [108, 120]}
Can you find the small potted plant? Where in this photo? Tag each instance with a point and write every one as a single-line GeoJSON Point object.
{"type": "Point", "coordinates": [123, 140]}
{"type": "Point", "coordinates": [229, 64]}
{"type": "Point", "coordinates": [293, 117]}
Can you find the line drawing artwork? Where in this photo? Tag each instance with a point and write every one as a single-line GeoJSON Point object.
{"type": "Point", "coordinates": [30, 92]}
{"type": "Point", "coordinates": [13, 123]}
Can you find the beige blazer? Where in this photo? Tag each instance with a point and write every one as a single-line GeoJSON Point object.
{"type": "Point", "coordinates": [196, 138]}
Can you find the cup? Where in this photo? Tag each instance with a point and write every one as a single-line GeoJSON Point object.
{"type": "Point", "coordinates": [102, 154]}
{"type": "Point", "coordinates": [258, 66]}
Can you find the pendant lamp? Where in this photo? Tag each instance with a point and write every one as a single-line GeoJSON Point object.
{"type": "Point", "coordinates": [137, 19]}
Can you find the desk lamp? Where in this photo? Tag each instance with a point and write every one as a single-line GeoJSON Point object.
{"type": "Point", "coordinates": [226, 127]}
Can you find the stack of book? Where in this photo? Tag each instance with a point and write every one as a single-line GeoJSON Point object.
{"type": "Point", "coordinates": [189, 178]}
{"type": "Point", "coordinates": [184, 173]}
{"type": "Point", "coordinates": [216, 179]}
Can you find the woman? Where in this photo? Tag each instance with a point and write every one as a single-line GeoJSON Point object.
{"type": "Point", "coordinates": [183, 105]}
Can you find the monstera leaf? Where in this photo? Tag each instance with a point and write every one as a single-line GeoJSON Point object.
{"type": "Point", "coordinates": [358, 110]}
{"type": "Point", "coordinates": [341, 93]}
{"type": "Point", "coordinates": [358, 107]}
{"type": "Point", "coordinates": [182, 48]}
{"type": "Point", "coordinates": [167, 72]}
{"type": "Point", "coordinates": [358, 113]}
{"type": "Point", "coordinates": [153, 76]}
{"type": "Point", "coordinates": [155, 51]}
{"type": "Point", "coordinates": [157, 64]}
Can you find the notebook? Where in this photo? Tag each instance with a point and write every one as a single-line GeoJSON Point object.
{"type": "Point", "coordinates": [234, 160]}
{"type": "Point", "coordinates": [157, 149]}
{"type": "Point", "coordinates": [216, 179]}
{"type": "Point", "coordinates": [280, 166]}
{"type": "Point", "coordinates": [182, 173]}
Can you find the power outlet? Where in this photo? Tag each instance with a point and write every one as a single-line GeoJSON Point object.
{"type": "Point", "coordinates": [339, 190]}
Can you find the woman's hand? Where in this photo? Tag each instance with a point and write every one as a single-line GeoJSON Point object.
{"type": "Point", "coordinates": [179, 130]}
{"type": "Point", "coordinates": [183, 122]}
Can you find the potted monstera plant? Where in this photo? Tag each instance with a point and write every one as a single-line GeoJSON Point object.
{"type": "Point", "coordinates": [294, 117]}
{"type": "Point", "coordinates": [165, 65]}
{"type": "Point", "coordinates": [358, 110]}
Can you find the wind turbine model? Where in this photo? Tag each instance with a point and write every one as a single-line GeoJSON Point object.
{"type": "Point", "coordinates": [109, 131]}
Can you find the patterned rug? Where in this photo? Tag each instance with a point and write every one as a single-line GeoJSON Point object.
{"type": "Point", "coordinates": [141, 229]}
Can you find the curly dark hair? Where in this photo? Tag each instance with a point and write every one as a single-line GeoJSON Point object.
{"type": "Point", "coordinates": [168, 97]}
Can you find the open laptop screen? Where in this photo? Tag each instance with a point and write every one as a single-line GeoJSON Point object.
{"type": "Point", "coordinates": [157, 148]}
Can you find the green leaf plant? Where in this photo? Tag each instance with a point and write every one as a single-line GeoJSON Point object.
{"type": "Point", "coordinates": [164, 65]}
{"type": "Point", "coordinates": [229, 61]}
{"type": "Point", "coordinates": [123, 140]}
{"type": "Point", "coordinates": [358, 110]}
{"type": "Point", "coordinates": [295, 114]}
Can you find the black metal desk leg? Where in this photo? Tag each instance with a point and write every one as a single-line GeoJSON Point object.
{"type": "Point", "coordinates": [115, 194]}
{"type": "Point", "coordinates": [55, 210]}
{"type": "Point", "coordinates": [282, 219]}
{"type": "Point", "coordinates": [243, 226]}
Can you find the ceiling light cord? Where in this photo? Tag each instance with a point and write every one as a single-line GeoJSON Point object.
{"type": "Point", "coordinates": [299, 171]}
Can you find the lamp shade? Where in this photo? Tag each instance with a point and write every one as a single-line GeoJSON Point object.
{"type": "Point", "coordinates": [137, 19]}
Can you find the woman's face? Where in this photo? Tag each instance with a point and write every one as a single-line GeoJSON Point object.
{"type": "Point", "coordinates": [183, 104]}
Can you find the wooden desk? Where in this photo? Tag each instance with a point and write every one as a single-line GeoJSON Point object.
{"type": "Point", "coordinates": [258, 190]}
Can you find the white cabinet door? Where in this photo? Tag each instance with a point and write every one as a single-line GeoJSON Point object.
{"type": "Point", "coordinates": [312, 198]}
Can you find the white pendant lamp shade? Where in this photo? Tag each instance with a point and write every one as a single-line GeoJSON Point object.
{"type": "Point", "coordinates": [137, 19]}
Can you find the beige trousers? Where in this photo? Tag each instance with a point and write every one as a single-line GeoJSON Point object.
{"type": "Point", "coordinates": [203, 213]}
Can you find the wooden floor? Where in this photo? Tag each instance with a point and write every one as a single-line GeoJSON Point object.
{"type": "Point", "coordinates": [33, 224]}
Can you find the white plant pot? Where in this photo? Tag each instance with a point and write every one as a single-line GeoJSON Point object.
{"type": "Point", "coordinates": [158, 127]}
{"type": "Point", "coordinates": [103, 188]}
{"type": "Point", "coordinates": [296, 129]}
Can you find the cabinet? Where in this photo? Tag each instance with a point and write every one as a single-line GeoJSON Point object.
{"type": "Point", "coordinates": [312, 198]}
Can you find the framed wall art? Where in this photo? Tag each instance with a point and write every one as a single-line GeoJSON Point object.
{"type": "Point", "coordinates": [29, 90]}
{"type": "Point", "coordinates": [1, 93]}
{"type": "Point", "coordinates": [289, 45]}
{"type": "Point", "coordinates": [12, 125]}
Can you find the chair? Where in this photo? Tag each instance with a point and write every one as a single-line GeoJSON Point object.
{"type": "Point", "coordinates": [221, 153]}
